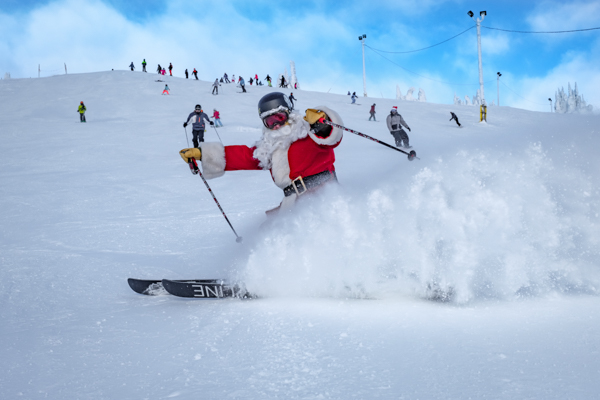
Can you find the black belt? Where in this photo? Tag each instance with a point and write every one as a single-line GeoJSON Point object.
{"type": "Point", "coordinates": [301, 184]}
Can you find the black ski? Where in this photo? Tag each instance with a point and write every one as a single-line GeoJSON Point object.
{"type": "Point", "coordinates": [215, 289]}
{"type": "Point", "coordinates": [154, 287]}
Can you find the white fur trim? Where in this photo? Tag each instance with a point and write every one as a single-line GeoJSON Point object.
{"type": "Point", "coordinates": [336, 133]}
{"type": "Point", "coordinates": [213, 159]}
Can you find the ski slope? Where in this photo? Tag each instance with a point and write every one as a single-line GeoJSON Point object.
{"type": "Point", "coordinates": [506, 214]}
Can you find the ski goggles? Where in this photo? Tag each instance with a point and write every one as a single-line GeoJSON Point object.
{"type": "Point", "coordinates": [277, 119]}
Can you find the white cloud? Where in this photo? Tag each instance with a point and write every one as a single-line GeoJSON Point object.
{"type": "Point", "coordinates": [560, 15]}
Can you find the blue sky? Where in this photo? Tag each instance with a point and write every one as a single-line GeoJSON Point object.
{"type": "Point", "coordinates": [321, 37]}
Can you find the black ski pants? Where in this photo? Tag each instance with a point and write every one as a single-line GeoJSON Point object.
{"type": "Point", "coordinates": [82, 117]}
{"type": "Point", "coordinates": [243, 89]}
{"type": "Point", "coordinates": [400, 136]}
{"type": "Point", "coordinates": [215, 89]}
{"type": "Point", "coordinates": [198, 137]}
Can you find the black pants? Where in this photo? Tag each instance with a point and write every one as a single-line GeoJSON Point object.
{"type": "Point", "coordinates": [456, 119]}
{"type": "Point", "coordinates": [243, 89]}
{"type": "Point", "coordinates": [215, 88]}
{"type": "Point", "coordinates": [400, 136]}
{"type": "Point", "coordinates": [198, 137]}
{"type": "Point", "coordinates": [82, 117]}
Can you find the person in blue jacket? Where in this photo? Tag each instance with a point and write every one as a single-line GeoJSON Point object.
{"type": "Point", "coordinates": [197, 118]}
{"type": "Point", "coordinates": [131, 66]}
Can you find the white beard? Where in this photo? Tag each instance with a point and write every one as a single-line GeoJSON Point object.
{"type": "Point", "coordinates": [280, 139]}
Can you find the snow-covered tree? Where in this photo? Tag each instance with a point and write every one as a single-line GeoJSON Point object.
{"type": "Point", "coordinates": [571, 101]}
{"type": "Point", "coordinates": [468, 101]}
{"type": "Point", "coordinates": [457, 100]}
{"type": "Point", "coordinates": [294, 79]}
{"type": "Point", "coordinates": [422, 96]}
{"type": "Point", "coordinates": [409, 94]}
{"type": "Point", "coordinates": [7, 75]}
{"type": "Point", "coordinates": [399, 93]}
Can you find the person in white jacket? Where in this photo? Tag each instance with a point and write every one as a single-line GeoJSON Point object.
{"type": "Point", "coordinates": [395, 122]}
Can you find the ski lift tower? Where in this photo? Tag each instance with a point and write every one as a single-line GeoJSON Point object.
{"type": "Point", "coordinates": [482, 14]}
{"type": "Point", "coordinates": [362, 39]}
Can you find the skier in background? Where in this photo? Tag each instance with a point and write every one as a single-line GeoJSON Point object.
{"type": "Point", "coordinates": [372, 112]}
{"type": "Point", "coordinates": [454, 117]}
{"type": "Point", "coordinates": [81, 110]}
{"type": "Point", "coordinates": [144, 65]}
{"type": "Point", "coordinates": [282, 84]}
{"type": "Point", "coordinates": [256, 78]}
{"type": "Point", "coordinates": [250, 80]}
{"type": "Point", "coordinates": [166, 90]}
{"type": "Point", "coordinates": [226, 78]}
{"type": "Point", "coordinates": [354, 97]}
{"type": "Point", "coordinates": [196, 118]}
{"type": "Point", "coordinates": [216, 86]}
{"type": "Point", "coordinates": [131, 66]}
{"type": "Point", "coordinates": [217, 117]}
{"type": "Point", "coordinates": [299, 152]}
{"type": "Point", "coordinates": [243, 85]}
{"type": "Point", "coordinates": [395, 122]}
{"type": "Point", "coordinates": [170, 69]}
{"type": "Point", "coordinates": [268, 79]}
{"type": "Point", "coordinates": [159, 69]}
{"type": "Point", "coordinates": [186, 74]}
{"type": "Point", "coordinates": [292, 98]}
{"type": "Point", "coordinates": [195, 73]}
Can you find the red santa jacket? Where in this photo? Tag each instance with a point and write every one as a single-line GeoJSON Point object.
{"type": "Point", "coordinates": [288, 152]}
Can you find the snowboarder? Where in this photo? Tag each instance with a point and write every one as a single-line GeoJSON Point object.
{"type": "Point", "coordinates": [170, 69]}
{"type": "Point", "coordinates": [250, 80]}
{"type": "Point", "coordinates": [159, 69]}
{"type": "Point", "coordinates": [217, 117]}
{"type": "Point", "coordinates": [372, 113]}
{"type": "Point", "coordinates": [243, 85]}
{"type": "Point", "coordinates": [196, 118]}
{"type": "Point", "coordinates": [216, 86]}
{"type": "Point", "coordinates": [132, 66]}
{"type": "Point", "coordinates": [166, 90]}
{"type": "Point", "coordinates": [395, 122]}
{"type": "Point", "coordinates": [144, 65]}
{"type": "Point", "coordinates": [226, 78]}
{"type": "Point", "coordinates": [454, 117]}
{"type": "Point", "coordinates": [299, 152]}
{"type": "Point", "coordinates": [292, 98]}
{"type": "Point", "coordinates": [354, 97]}
{"type": "Point", "coordinates": [268, 79]}
{"type": "Point", "coordinates": [195, 73]}
{"type": "Point", "coordinates": [282, 85]}
{"type": "Point", "coordinates": [81, 111]}
{"type": "Point", "coordinates": [186, 74]}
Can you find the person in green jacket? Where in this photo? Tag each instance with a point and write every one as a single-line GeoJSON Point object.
{"type": "Point", "coordinates": [144, 65]}
{"type": "Point", "coordinates": [81, 111]}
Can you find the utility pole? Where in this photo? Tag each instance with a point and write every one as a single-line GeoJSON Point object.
{"type": "Point", "coordinates": [482, 14]}
{"type": "Point", "coordinates": [498, 89]}
{"type": "Point", "coordinates": [550, 100]}
{"type": "Point", "coordinates": [362, 39]}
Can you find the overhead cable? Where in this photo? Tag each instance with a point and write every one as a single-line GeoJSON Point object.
{"type": "Point", "coordinates": [573, 30]}
{"type": "Point", "coordinates": [424, 48]}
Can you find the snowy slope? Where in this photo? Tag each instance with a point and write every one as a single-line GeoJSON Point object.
{"type": "Point", "coordinates": [506, 213]}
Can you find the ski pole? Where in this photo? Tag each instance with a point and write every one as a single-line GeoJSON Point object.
{"type": "Point", "coordinates": [186, 136]}
{"type": "Point", "coordinates": [218, 134]}
{"type": "Point", "coordinates": [196, 171]}
{"type": "Point", "coordinates": [411, 155]}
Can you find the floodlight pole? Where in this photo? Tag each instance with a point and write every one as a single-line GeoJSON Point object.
{"type": "Point", "coordinates": [498, 89]}
{"type": "Point", "coordinates": [482, 14]}
{"type": "Point", "coordinates": [362, 39]}
{"type": "Point", "coordinates": [550, 100]}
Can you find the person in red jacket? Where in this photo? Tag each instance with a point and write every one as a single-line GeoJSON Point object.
{"type": "Point", "coordinates": [217, 116]}
{"type": "Point", "coordinates": [299, 152]}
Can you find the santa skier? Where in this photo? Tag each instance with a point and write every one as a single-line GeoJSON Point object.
{"type": "Point", "coordinates": [299, 152]}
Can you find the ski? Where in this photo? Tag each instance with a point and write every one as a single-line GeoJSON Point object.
{"type": "Point", "coordinates": [154, 287]}
{"type": "Point", "coordinates": [215, 289]}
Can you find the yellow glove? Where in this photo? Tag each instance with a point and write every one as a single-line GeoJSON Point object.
{"type": "Point", "coordinates": [313, 115]}
{"type": "Point", "coordinates": [186, 154]}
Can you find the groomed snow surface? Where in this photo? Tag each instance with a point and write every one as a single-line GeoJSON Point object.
{"type": "Point", "coordinates": [504, 214]}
